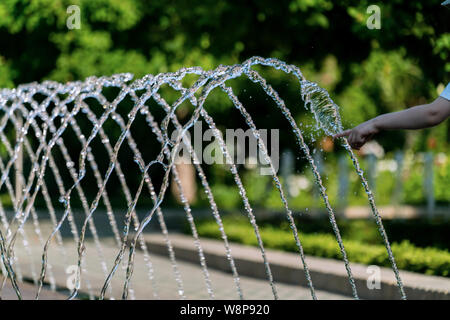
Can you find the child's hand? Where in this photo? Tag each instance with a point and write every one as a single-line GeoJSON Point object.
{"type": "Point", "coordinates": [359, 135]}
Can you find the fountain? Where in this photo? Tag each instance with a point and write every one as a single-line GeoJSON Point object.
{"type": "Point", "coordinates": [41, 115]}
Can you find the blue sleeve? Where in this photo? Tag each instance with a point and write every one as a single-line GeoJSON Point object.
{"type": "Point", "coordinates": [446, 93]}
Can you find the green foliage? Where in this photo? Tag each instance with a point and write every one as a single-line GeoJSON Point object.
{"type": "Point", "coordinates": [420, 232]}
{"type": "Point", "coordinates": [367, 72]}
{"type": "Point", "coordinates": [442, 181]}
{"type": "Point", "coordinates": [226, 197]}
{"type": "Point", "coordinates": [262, 192]}
{"type": "Point", "coordinates": [408, 257]}
{"type": "Point", "coordinates": [148, 37]}
{"type": "Point", "coordinates": [5, 74]}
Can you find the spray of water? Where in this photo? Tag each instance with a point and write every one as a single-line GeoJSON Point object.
{"type": "Point", "coordinates": [44, 124]}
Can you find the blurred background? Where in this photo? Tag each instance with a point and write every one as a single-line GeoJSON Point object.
{"type": "Point", "coordinates": [366, 71]}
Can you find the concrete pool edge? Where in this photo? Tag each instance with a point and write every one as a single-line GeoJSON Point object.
{"type": "Point", "coordinates": [326, 274]}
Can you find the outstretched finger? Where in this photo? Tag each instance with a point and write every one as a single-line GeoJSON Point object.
{"type": "Point", "coordinates": [345, 133]}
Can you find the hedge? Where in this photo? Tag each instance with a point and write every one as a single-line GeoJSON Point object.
{"type": "Point", "coordinates": [408, 257]}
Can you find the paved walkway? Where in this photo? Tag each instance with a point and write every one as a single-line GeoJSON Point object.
{"type": "Point", "coordinates": [327, 274]}
{"type": "Point", "coordinates": [164, 285]}
{"type": "Point", "coordinates": [28, 292]}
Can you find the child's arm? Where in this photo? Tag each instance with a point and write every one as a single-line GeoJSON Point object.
{"type": "Point", "coordinates": [418, 117]}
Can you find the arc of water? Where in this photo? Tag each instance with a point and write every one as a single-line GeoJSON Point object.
{"type": "Point", "coordinates": [22, 217]}
{"type": "Point", "coordinates": [25, 92]}
{"type": "Point", "coordinates": [33, 159]}
{"type": "Point", "coordinates": [177, 86]}
{"type": "Point", "coordinates": [16, 216]}
{"type": "Point", "coordinates": [82, 156]}
{"type": "Point", "coordinates": [6, 143]}
{"type": "Point", "coordinates": [153, 88]}
{"type": "Point", "coordinates": [188, 209]}
{"type": "Point", "coordinates": [190, 219]}
{"type": "Point", "coordinates": [75, 90]}
{"type": "Point", "coordinates": [202, 176]}
{"type": "Point", "coordinates": [132, 213]}
{"type": "Point", "coordinates": [118, 170]}
{"type": "Point", "coordinates": [144, 170]}
{"type": "Point", "coordinates": [7, 259]}
{"type": "Point", "coordinates": [22, 221]}
{"type": "Point", "coordinates": [242, 192]}
{"type": "Point", "coordinates": [105, 196]}
{"type": "Point", "coordinates": [163, 188]}
{"type": "Point", "coordinates": [160, 137]}
{"type": "Point", "coordinates": [20, 202]}
{"type": "Point", "coordinates": [70, 218]}
{"type": "Point", "coordinates": [323, 106]}
{"type": "Point", "coordinates": [92, 162]}
{"type": "Point", "coordinates": [57, 140]}
{"type": "Point", "coordinates": [53, 141]}
{"type": "Point", "coordinates": [255, 77]}
{"type": "Point", "coordinates": [93, 165]}
{"type": "Point", "coordinates": [9, 269]}
{"type": "Point", "coordinates": [48, 201]}
{"type": "Point", "coordinates": [233, 70]}
{"type": "Point", "coordinates": [210, 86]}
{"type": "Point", "coordinates": [111, 166]}
{"type": "Point", "coordinates": [24, 131]}
{"type": "Point", "coordinates": [263, 148]}
{"type": "Point", "coordinates": [99, 179]}
{"type": "Point", "coordinates": [332, 109]}
{"type": "Point", "coordinates": [324, 110]}
{"type": "Point", "coordinates": [377, 217]}
{"type": "Point", "coordinates": [188, 93]}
